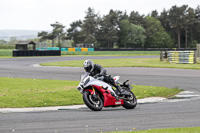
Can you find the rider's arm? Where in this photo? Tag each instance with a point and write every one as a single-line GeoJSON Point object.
{"type": "Point", "coordinates": [102, 70]}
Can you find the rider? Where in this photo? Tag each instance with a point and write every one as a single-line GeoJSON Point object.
{"type": "Point", "coordinates": [97, 70]}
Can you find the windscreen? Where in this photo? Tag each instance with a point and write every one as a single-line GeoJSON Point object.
{"type": "Point", "coordinates": [84, 75]}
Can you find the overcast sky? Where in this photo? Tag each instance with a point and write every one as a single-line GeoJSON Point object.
{"type": "Point", "coordinates": [39, 14]}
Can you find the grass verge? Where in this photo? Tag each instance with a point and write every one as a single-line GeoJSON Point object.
{"type": "Point", "coordinates": [112, 53]}
{"type": "Point", "coordinates": [5, 53]}
{"type": "Point", "coordinates": [167, 130]}
{"type": "Point", "coordinates": [20, 92]}
{"type": "Point", "coordinates": [133, 62]}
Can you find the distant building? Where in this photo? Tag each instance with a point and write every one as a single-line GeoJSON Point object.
{"type": "Point", "coordinates": [24, 45]}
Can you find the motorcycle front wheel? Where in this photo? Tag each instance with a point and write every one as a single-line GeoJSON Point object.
{"type": "Point", "coordinates": [130, 104]}
{"type": "Point", "coordinates": [95, 103]}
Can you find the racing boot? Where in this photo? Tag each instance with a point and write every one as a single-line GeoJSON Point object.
{"type": "Point", "coordinates": [122, 91]}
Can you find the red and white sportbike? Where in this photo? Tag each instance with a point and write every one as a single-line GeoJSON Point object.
{"type": "Point", "coordinates": [98, 94]}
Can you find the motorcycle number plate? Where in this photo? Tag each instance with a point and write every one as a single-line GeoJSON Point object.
{"type": "Point", "coordinates": [117, 103]}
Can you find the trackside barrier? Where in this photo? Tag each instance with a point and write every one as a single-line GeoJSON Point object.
{"type": "Point", "coordinates": [84, 49]}
{"type": "Point", "coordinates": [181, 57]}
{"type": "Point", "coordinates": [71, 49]}
{"type": "Point", "coordinates": [17, 53]}
{"type": "Point", "coordinates": [52, 48]}
{"type": "Point", "coordinates": [90, 49]}
{"type": "Point", "coordinates": [77, 49]}
{"type": "Point", "coordinates": [66, 49]}
{"type": "Point", "coordinates": [48, 48]}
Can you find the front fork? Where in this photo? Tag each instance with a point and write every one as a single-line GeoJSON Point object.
{"type": "Point", "coordinates": [93, 92]}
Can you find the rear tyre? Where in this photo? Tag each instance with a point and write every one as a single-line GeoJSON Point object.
{"type": "Point", "coordinates": [132, 103]}
{"type": "Point", "coordinates": [94, 103]}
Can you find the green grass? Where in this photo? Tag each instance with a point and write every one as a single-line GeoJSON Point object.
{"type": "Point", "coordinates": [112, 53]}
{"type": "Point", "coordinates": [167, 130]}
{"type": "Point", "coordinates": [142, 91]}
{"type": "Point", "coordinates": [133, 62]}
{"type": "Point", "coordinates": [5, 53]}
{"type": "Point", "coordinates": [19, 92]}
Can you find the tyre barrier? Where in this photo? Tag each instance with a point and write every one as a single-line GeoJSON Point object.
{"type": "Point", "coordinates": [181, 57]}
{"type": "Point", "coordinates": [71, 49]}
{"type": "Point", "coordinates": [84, 49]}
{"type": "Point", "coordinates": [20, 53]}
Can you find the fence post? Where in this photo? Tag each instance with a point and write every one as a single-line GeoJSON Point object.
{"type": "Point", "coordinates": [195, 57]}
{"type": "Point", "coordinates": [161, 55]}
{"type": "Point", "coordinates": [198, 50]}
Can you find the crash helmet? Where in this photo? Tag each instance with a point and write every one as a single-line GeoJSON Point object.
{"type": "Point", "coordinates": [88, 65]}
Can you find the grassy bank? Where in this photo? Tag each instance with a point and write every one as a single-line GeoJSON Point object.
{"type": "Point", "coordinates": [19, 92]}
{"type": "Point", "coordinates": [168, 130]}
{"type": "Point", "coordinates": [134, 62]}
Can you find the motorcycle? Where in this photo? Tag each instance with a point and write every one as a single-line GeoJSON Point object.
{"type": "Point", "coordinates": [98, 94]}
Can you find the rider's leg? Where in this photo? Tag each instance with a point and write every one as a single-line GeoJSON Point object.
{"type": "Point", "coordinates": [106, 79]}
{"type": "Point", "coordinates": [110, 80]}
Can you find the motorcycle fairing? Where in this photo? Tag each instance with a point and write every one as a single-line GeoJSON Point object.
{"type": "Point", "coordinates": [116, 78]}
{"type": "Point", "coordinates": [109, 100]}
{"type": "Point", "coordinates": [93, 81]}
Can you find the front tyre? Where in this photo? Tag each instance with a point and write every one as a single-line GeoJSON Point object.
{"type": "Point", "coordinates": [93, 102]}
{"type": "Point", "coordinates": [131, 102]}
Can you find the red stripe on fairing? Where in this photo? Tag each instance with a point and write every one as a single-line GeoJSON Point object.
{"type": "Point", "coordinates": [91, 91]}
{"type": "Point", "coordinates": [109, 100]}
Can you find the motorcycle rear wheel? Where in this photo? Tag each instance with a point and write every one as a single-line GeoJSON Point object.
{"type": "Point", "coordinates": [130, 104]}
{"type": "Point", "coordinates": [95, 104]}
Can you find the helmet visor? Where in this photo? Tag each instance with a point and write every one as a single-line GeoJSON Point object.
{"type": "Point", "coordinates": [88, 69]}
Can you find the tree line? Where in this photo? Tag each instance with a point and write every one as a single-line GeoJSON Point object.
{"type": "Point", "coordinates": [178, 27]}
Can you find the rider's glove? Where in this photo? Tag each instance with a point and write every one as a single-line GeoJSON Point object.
{"type": "Point", "coordinates": [100, 78]}
{"type": "Point", "coordinates": [97, 75]}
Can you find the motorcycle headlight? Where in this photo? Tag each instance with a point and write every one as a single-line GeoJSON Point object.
{"type": "Point", "coordinates": [79, 88]}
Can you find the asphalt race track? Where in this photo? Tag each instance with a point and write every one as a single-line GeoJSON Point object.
{"type": "Point", "coordinates": [144, 116]}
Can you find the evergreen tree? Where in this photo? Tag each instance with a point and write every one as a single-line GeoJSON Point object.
{"type": "Point", "coordinates": [47, 36]}
{"type": "Point", "coordinates": [176, 15]}
{"type": "Point", "coordinates": [189, 20]}
{"type": "Point", "coordinates": [195, 29]}
{"type": "Point", "coordinates": [108, 28]}
{"type": "Point", "coordinates": [154, 14]}
{"type": "Point", "coordinates": [75, 32]}
{"type": "Point", "coordinates": [89, 26]}
{"type": "Point", "coordinates": [43, 35]}
{"type": "Point", "coordinates": [165, 21]}
{"type": "Point", "coordinates": [58, 32]}
{"type": "Point", "coordinates": [136, 18]}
